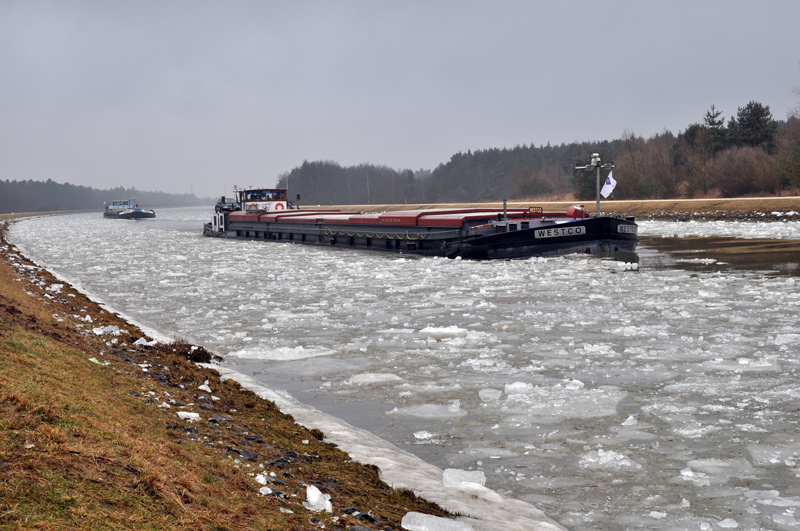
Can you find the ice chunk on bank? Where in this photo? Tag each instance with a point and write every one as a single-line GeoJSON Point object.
{"type": "Point", "coordinates": [109, 330]}
{"type": "Point", "coordinates": [189, 416]}
{"type": "Point", "coordinates": [471, 482]}
{"type": "Point", "coordinates": [317, 501]}
{"type": "Point", "coordinates": [145, 343]}
{"type": "Point", "coordinates": [427, 522]}
{"type": "Point", "coordinates": [453, 477]}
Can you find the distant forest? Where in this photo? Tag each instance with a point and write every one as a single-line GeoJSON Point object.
{"type": "Point", "coordinates": [751, 154]}
{"type": "Point", "coordinates": [38, 196]}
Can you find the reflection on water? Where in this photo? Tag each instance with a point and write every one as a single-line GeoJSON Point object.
{"type": "Point", "coordinates": [717, 253]}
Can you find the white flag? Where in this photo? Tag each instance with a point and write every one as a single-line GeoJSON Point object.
{"type": "Point", "coordinates": [609, 186]}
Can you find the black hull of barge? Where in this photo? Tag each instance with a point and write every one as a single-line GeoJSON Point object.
{"type": "Point", "coordinates": [598, 235]}
{"type": "Point", "coordinates": [130, 215]}
{"type": "Point", "coordinates": [590, 235]}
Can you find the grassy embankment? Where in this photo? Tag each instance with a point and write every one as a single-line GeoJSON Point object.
{"type": "Point", "coordinates": [90, 439]}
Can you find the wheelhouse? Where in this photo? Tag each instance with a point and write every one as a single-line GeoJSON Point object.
{"type": "Point", "coordinates": [262, 199]}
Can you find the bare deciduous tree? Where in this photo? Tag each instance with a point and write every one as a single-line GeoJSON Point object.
{"type": "Point", "coordinates": [744, 171]}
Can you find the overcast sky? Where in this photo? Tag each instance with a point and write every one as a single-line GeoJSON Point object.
{"type": "Point", "coordinates": [200, 95]}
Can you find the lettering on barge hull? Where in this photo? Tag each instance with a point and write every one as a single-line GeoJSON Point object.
{"type": "Point", "coordinates": [556, 232]}
{"type": "Point", "coordinates": [627, 229]}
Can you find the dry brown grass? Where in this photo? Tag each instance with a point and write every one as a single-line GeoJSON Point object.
{"type": "Point", "coordinates": [87, 445]}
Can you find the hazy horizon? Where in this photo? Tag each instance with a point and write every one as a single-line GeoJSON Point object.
{"type": "Point", "coordinates": [198, 96]}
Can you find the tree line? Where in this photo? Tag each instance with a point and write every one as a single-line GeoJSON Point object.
{"type": "Point", "coordinates": [750, 154]}
{"type": "Point", "coordinates": [326, 182]}
{"type": "Point", "coordinates": [38, 196]}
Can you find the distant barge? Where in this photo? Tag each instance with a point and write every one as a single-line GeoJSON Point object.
{"type": "Point", "coordinates": [472, 233]}
{"type": "Point", "coordinates": [127, 209]}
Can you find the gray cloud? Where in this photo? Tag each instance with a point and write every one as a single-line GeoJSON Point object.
{"type": "Point", "coordinates": [201, 94]}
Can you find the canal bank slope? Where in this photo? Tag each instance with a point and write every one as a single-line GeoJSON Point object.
{"type": "Point", "coordinates": [101, 427]}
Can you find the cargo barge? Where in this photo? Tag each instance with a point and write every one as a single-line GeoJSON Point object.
{"type": "Point", "coordinates": [471, 233]}
{"type": "Point", "coordinates": [127, 209]}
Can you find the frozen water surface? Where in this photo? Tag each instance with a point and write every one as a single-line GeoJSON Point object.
{"type": "Point", "coordinates": [787, 230]}
{"type": "Point", "coordinates": [610, 397]}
